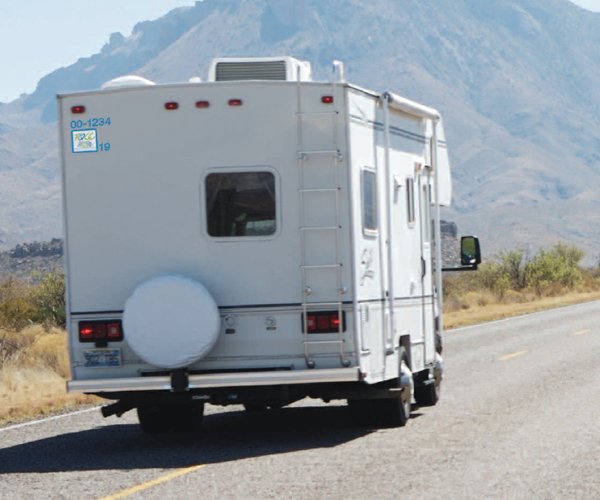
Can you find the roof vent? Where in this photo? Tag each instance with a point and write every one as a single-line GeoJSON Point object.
{"type": "Point", "coordinates": [127, 81]}
{"type": "Point", "coordinates": [259, 68]}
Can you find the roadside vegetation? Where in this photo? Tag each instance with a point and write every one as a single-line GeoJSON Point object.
{"type": "Point", "coordinates": [514, 283]}
{"type": "Point", "coordinates": [34, 364]}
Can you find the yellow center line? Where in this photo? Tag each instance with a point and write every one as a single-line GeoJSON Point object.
{"type": "Point", "coordinates": [580, 333]}
{"type": "Point", "coordinates": [154, 482]}
{"type": "Point", "coordinates": [513, 355]}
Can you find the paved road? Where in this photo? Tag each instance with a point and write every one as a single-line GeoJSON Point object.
{"type": "Point", "coordinates": [519, 418]}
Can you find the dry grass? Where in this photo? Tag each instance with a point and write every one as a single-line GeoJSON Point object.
{"type": "Point", "coordinates": [34, 367]}
{"type": "Point", "coordinates": [494, 311]}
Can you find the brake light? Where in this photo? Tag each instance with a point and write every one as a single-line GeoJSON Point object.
{"type": "Point", "coordinates": [324, 322]}
{"type": "Point", "coordinates": [327, 99]}
{"type": "Point", "coordinates": [77, 110]}
{"type": "Point", "coordinates": [85, 331]}
{"type": "Point", "coordinates": [171, 106]}
{"type": "Point", "coordinates": [334, 321]}
{"type": "Point", "coordinates": [100, 331]}
{"type": "Point", "coordinates": [235, 102]}
{"type": "Point", "coordinates": [202, 104]}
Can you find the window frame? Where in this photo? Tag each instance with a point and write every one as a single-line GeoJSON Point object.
{"type": "Point", "coordinates": [411, 213]}
{"type": "Point", "coordinates": [235, 170]}
{"type": "Point", "coordinates": [369, 232]}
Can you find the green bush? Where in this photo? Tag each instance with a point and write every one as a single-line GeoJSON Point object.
{"type": "Point", "coordinates": [42, 303]}
{"type": "Point", "coordinates": [511, 274]}
{"type": "Point", "coordinates": [555, 270]}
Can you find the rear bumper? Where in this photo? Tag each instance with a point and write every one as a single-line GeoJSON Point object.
{"type": "Point", "coordinates": [216, 380]}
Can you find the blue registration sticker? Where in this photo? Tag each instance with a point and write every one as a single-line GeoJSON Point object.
{"type": "Point", "coordinates": [102, 358]}
{"type": "Point", "coordinates": [84, 141]}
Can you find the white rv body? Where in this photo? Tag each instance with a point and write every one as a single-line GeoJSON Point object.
{"type": "Point", "coordinates": [351, 230]}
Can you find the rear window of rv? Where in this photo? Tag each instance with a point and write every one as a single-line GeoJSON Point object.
{"type": "Point", "coordinates": [369, 201]}
{"type": "Point", "coordinates": [240, 204]}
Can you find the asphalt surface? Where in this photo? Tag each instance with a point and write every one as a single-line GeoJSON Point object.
{"type": "Point", "coordinates": [518, 418]}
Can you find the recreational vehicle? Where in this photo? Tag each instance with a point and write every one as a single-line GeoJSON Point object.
{"type": "Point", "coordinates": [253, 239]}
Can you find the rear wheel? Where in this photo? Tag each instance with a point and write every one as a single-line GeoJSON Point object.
{"type": "Point", "coordinates": [181, 418]}
{"type": "Point", "coordinates": [186, 418]}
{"type": "Point", "coordinates": [396, 412]}
{"type": "Point", "coordinates": [393, 412]}
{"type": "Point", "coordinates": [363, 412]}
{"type": "Point", "coordinates": [427, 395]}
{"type": "Point", "coordinates": [255, 407]}
{"type": "Point", "coordinates": [153, 419]}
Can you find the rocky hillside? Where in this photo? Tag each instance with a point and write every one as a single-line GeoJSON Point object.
{"type": "Point", "coordinates": [43, 257]}
{"type": "Point", "coordinates": [515, 79]}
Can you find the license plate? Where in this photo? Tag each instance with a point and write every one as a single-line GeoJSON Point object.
{"type": "Point", "coordinates": [102, 358]}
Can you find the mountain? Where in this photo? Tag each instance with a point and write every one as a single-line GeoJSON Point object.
{"type": "Point", "coordinates": [514, 79]}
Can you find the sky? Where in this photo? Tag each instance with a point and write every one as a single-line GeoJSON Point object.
{"type": "Point", "coordinates": [39, 36]}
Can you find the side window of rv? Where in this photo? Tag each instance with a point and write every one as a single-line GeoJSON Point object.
{"type": "Point", "coordinates": [426, 215]}
{"type": "Point", "coordinates": [410, 200]}
{"type": "Point", "coordinates": [240, 204]}
{"type": "Point", "coordinates": [369, 201]}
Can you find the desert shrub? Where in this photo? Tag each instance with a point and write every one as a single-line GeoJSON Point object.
{"type": "Point", "coordinates": [552, 271]}
{"type": "Point", "coordinates": [49, 298]}
{"type": "Point", "coordinates": [42, 303]}
{"type": "Point", "coordinates": [512, 277]}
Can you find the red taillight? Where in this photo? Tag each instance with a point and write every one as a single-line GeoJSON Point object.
{"type": "Point", "coordinates": [100, 331]}
{"type": "Point", "coordinates": [85, 331]}
{"type": "Point", "coordinates": [327, 99]}
{"type": "Point", "coordinates": [334, 321]}
{"type": "Point", "coordinates": [113, 331]}
{"type": "Point", "coordinates": [202, 104]}
{"type": "Point", "coordinates": [235, 102]}
{"type": "Point", "coordinates": [78, 110]}
{"type": "Point", "coordinates": [171, 106]}
{"type": "Point", "coordinates": [324, 322]}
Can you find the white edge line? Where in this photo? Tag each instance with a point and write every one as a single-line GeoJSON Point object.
{"type": "Point", "coordinates": [57, 417]}
{"type": "Point", "coordinates": [503, 320]}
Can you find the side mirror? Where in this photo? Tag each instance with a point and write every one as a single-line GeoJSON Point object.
{"type": "Point", "coordinates": [470, 253]}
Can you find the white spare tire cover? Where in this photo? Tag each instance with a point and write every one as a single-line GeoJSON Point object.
{"type": "Point", "coordinates": [171, 321]}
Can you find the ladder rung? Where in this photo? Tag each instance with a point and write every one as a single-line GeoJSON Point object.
{"type": "Point", "coordinates": [323, 341]}
{"type": "Point", "coordinates": [319, 190]}
{"type": "Point", "coordinates": [323, 304]}
{"type": "Point", "coordinates": [308, 228]}
{"type": "Point", "coordinates": [322, 266]}
{"type": "Point", "coordinates": [318, 113]}
{"type": "Point", "coordinates": [320, 152]}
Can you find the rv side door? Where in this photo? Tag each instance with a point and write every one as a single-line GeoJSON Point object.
{"type": "Point", "coordinates": [427, 286]}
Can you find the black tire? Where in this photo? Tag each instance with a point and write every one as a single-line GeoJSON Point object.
{"type": "Point", "coordinates": [384, 412]}
{"type": "Point", "coordinates": [363, 412]}
{"type": "Point", "coordinates": [427, 395]}
{"type": "Point", "coordinates": [255, 406]}
{"type": "Point", "coordinates": [396, 412]}
{"type": "Point", "coordinates": [180, 418]}
{"type": "Point", "coordinates": [186, 418]}
{"type": "Point", "coordinates": [154, 419]}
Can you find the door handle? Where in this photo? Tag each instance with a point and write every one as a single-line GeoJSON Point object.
{"type": "Point", "coordinates": [423, 267]}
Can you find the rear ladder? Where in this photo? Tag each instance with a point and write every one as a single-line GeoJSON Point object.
{"type": "Point", "coordinates": [309, 160]}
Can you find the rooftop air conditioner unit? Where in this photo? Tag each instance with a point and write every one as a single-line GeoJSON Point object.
{"type": "Point", "coordinates": [259, 68]}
